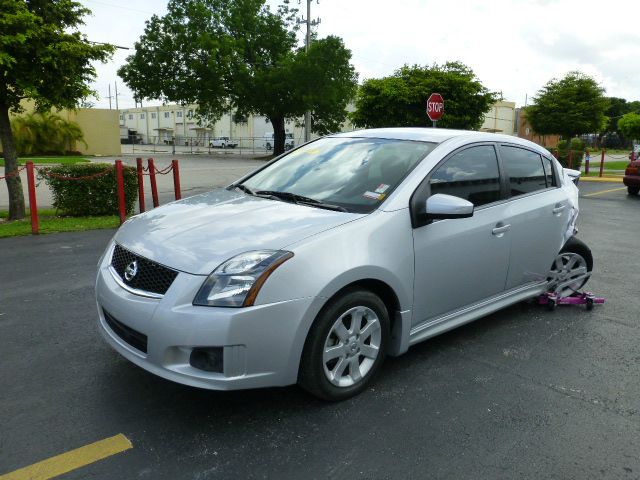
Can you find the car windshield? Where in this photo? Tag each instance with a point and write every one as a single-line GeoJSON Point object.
{"type": "Point", "coordinates": [356, 174]}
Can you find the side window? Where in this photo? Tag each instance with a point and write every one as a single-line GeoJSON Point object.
{"type": "Point", "coordinates": [471, 174]}
{"type": "Point", "coordinates": [548, 172]}
{"type": "Point", "coordinates": [524, 170]}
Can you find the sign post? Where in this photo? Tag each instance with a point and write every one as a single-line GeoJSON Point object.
{"type": "Point", "coordinates": [435, 107]}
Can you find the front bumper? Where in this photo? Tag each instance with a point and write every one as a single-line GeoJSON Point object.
{"type": "Point", "coordinates": [261, 345]}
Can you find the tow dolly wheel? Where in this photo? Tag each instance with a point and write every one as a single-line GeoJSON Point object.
{"type": "Point", "coordinates": [589, 303]}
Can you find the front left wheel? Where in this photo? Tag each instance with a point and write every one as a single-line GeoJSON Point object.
{"type": "Point", "coordinates": [346, 346]}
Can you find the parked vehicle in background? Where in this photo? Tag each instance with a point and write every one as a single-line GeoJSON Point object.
{"type": "Point", "coordinates": [631, 177]}
{"type": "Point", "coordinates": [269, 141]}
{"type": "Point", "coordinates": [352, 247]}
{"type": "Point", "coordinates": [223, 142]}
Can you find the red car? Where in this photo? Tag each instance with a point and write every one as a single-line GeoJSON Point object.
{"type": "Point", "coordinates": [632, 177]}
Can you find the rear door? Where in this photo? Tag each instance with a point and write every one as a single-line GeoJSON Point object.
{"type": "Point", "coordinates": [538, 214]}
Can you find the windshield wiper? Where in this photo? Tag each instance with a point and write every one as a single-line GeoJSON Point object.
{"type": "Point", "coordinates": [299, 199]}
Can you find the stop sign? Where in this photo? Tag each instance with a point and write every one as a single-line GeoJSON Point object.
{"type": "Point", "coordinates": [435, 107]}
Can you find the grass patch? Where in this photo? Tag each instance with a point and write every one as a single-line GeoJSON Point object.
{"type": "Point", "coordinates": [64, 160]}
{"type": "Point", "coordinates": [617, 165]}
{"type": "Point", "coordinates": [50, 222]}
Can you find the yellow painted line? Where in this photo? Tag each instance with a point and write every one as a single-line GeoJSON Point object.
{"type": "Point", "coordinates": [588, 195]}
{"type": "Point", "coordinates": [601, 179]}
{"type": "Point", "coordinates": [72, 460]}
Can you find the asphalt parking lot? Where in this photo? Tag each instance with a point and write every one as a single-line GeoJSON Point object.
{"type": "Point", "coordinates": [523, 393]}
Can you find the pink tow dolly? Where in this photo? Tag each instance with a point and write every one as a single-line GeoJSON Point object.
{"type": "Point", "coordinates": [554, 298]}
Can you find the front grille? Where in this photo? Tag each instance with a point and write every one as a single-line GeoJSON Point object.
{"type": "Point", "coordinates": [150, 276]}
{"type": "Point", "coordinates": [133, 337]}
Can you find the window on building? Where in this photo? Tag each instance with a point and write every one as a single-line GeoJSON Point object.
{"type": "Point", "coordinates": [166, 114]}
{"type": "Point", "coordinates": [153, 115]}
{"type": "Point", "coordinates": [190, 114]}
{"type": "Point", "coordinates": [142, 116]}
{"type": "Point", "coordinates": [179, 114]}
{"type": "Point", "coordinates": [121, 117]}
{"type": "Point", "coordinates": [471, 174]}
{"type": "Point", "coordinates": [130, 116]}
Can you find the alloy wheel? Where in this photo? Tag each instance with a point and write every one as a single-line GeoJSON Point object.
{"type": "Point", "coordinates": [352, 346]}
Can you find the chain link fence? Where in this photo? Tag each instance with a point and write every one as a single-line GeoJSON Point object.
{"type": "Point", "coordinates": [205, 144]}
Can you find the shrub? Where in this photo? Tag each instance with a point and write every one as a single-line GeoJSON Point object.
{"type": "Point", "coordinates": [93, 196]}
{"type": "Point", "coordinates": [576, 146]}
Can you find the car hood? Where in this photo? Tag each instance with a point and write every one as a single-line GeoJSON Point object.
{"type": "Point", "coordinates": [197, 234]}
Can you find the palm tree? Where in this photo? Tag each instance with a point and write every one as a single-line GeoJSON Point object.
{"type": "Point", "coordinates": [41, 133]}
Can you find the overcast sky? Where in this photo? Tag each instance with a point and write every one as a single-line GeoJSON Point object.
{"type": "Point", "coordinates": [513, 46]}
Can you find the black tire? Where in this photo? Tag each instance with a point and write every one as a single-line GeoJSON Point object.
{"type": "Point", "coordinates": [633, 190]}
{"type": "Point", "coordinates": [312, 376]}
{"type": "Point", "coordinates": [589, 303]}
{"type": "Point", "coordinates": [577, 247]}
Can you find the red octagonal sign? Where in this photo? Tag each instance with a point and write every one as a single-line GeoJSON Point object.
{"type": "Point", "coordinates": [435, 107]}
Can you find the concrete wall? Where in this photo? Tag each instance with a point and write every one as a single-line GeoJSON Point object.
{"type": "Point", "coordinates": [100, 128]}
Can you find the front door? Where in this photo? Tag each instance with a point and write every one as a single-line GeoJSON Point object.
{"type": "Point", "coordinates": [459, 262]}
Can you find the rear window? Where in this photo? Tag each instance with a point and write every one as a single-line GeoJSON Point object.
{"type": "Point", "coordinates": [524, 170]}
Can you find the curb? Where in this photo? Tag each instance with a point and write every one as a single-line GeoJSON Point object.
{"type": "Point", "coordinates": [601, 179]}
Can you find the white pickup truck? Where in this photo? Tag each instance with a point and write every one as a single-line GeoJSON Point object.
{"type": "Point", "coordinates": [222, 142]}
{"type": "Point", "coordinates": [288, 141]}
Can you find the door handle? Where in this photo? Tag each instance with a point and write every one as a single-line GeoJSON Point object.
{"type": "Point", "coordinates": [558, 208]}
{"type": "Point", "coordinates": [499, 230]}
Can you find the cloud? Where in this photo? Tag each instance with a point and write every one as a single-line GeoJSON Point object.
{"type": "Point", "coordinates": [514, 46]}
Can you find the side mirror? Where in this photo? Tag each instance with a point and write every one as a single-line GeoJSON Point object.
{"type": "Point", "coordinates": [441, 206]}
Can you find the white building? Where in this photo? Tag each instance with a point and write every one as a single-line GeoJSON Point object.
{"type": "Point", "coordinates": [161, 124]}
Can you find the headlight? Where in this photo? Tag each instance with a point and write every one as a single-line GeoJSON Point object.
{"type": "Point", "coordinates": [237, 281]}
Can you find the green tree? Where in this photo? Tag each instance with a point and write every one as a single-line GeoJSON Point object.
{"type": "Point", "coordinates": [43, 57]}
{"type": "Point", "coordinates": [400, 100]}
{"type": "Point", "coordinates": [629, 125]}
{"type": "Point", "coordinates": [238, 55]}
{"type": "Point", "coordinates": [570, 106]}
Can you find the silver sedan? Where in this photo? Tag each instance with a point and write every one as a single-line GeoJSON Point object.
{"type": "Point", "coordinates": [313, 268]}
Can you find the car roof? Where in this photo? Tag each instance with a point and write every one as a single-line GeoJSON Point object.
{"type": "Point", "coordinates": [436, 135]}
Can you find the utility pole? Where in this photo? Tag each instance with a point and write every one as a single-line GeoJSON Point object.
{"type": "Point", "coordinates": [109, 97]}
{"type": "Point", "coordinates": [310, 23]}
{"type": "Point", "coordinates": [116, 85]}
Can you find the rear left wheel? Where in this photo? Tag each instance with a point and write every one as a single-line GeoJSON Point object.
{"type": "Point", "coordinates": [567, 274]}
{"type": "Point", "coordinates": [346, 346]}
{"type": "Point", "coordinates": [633, 190]}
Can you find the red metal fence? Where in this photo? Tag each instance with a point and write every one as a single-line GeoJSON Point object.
{"type": "Point", "coordinates": [150, 171]}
